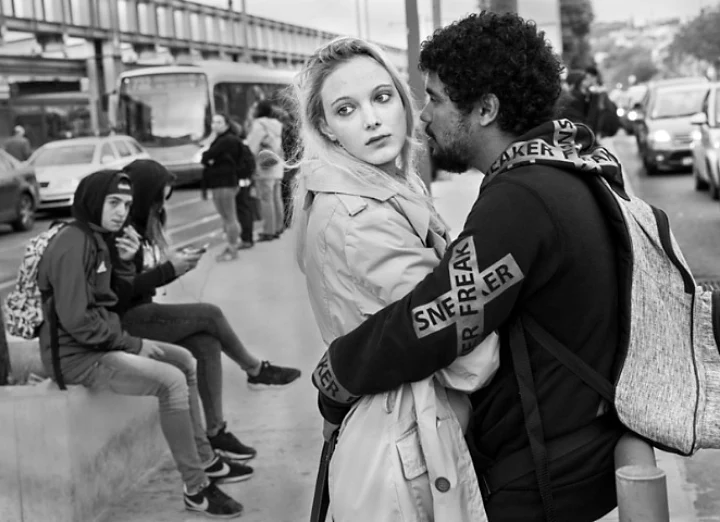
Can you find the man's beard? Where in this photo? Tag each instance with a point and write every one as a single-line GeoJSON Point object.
{"type": "Point", "coordinates": [448, 160]}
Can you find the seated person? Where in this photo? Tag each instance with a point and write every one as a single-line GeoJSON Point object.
{"type": "Point", "coordinates": [95, 351]}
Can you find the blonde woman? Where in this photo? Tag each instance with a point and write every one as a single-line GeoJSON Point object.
{"type": "Point", "coordinates": [367, 234]}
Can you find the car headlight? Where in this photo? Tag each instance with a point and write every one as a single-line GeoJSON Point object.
{"type": "Point", "coordinates": [716, 144]}
{"type": "Point", "coordinates": [696, 135]}
{"type": "Point", "coordinates": [620, 112]}
{"type": "Point", "coordinates": [632, 115]}
{"type": "Point", "coordinates": [661, 136]}
{"type": "Point", "coordinates": [71, 185]}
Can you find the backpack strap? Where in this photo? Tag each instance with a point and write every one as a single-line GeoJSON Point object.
{"type": "Point", "coordinates": [54, 339]}
{"type": "Point", "coordinates": [531, 412]}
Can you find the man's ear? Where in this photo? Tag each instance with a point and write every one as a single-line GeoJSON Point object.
{"type": "Point", "coordinates": [487, 109]}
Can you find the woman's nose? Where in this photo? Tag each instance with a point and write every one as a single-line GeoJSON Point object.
{"type": "Point", "coordinates": [371, 120]}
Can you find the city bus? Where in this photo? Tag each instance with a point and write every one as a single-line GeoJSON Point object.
{"type": "Point", "coordinates": [168, 108]}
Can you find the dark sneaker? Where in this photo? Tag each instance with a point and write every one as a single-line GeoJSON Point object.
{"type": "Point", "coordinates": [212, 503]}
{"type": "Point", "coordinates": [245, 245]}
{"type": "Point", "coordinates": [228, 445]}
{"type": "Point", "coordinates": [223, 471]}
{"type": "Point", "coordinates": [271, 375]}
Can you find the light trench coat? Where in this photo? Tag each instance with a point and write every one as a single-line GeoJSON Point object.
{"type": "Point", "coordinates": [401, 455]}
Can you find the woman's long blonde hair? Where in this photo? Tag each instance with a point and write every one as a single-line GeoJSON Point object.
{"type": "Point", "coordinates": [316, 150]}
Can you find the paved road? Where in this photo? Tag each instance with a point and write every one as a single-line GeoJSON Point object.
{"type": "Point", "coordinates": [190, 220]}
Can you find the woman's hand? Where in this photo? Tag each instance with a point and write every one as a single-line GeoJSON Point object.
{"type": "Point", "coordinates": [184, 261]}
{"type": "Point", "coordinates": [128, 244]}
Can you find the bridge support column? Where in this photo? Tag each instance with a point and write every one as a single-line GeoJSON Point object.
{"type": "Point", "coordinates": [103, 68]}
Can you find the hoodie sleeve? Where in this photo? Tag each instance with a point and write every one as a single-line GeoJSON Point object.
{"type": "Point", "coordinates": [90, 325]}
{"type": "Point", "coordinates": [470, 294]}
{"type": "Point", "coordinates": [140, 283]}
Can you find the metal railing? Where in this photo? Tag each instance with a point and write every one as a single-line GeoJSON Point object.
{"type": "Point", "coordinates": [180, 25]}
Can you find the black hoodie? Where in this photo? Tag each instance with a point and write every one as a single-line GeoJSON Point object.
{"type": "Point", "coordinates": [77, 269]}
{"type": "Point", "coordinates": [149, 179]}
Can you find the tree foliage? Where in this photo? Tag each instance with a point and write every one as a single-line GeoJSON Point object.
{"type": "Point", "coordinates": [626, 62]}
{"type": "Point", "coordinates": [700, 37]}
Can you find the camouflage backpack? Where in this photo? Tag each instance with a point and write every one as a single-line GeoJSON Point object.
{"type": "Point", "coordinates": [23, 306]}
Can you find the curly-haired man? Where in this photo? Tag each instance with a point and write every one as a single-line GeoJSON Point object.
{"type": "Point", "coordinates": [536, 257]}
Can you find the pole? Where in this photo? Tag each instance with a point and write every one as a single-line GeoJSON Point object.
{"type": "Point", "coordinates": [357, 16]}
{"type": "Point", "coordinates": [367, 20]}
{"type": "Point", "coordinates": [437, 15]}
{"type": "Point", "coordinates": [641, 485]}
{"type": "Point", "coordinates": [246, 29]}
{"type": "Point", "coordinates": [417, 85]}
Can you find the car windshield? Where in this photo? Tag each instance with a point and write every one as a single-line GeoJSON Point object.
{"type": "Point", "coordinates": [64, 155]}
{"type": "Point", "coordinates": [678, 103]}
{"type": "Point", "coordinates": [165, 109]}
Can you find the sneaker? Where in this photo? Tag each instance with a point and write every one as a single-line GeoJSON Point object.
{"type": "Point", "coordinates": [266, 237]}
{"type": "Point", "coordinates": [223, 471]}
{"type": "Point", "coordinates": [212, 503]}
{"type": "Point", "coordinates": [271, 375]}
{"type": "Point", "coordinates": [228, 445]}
{"type": "Point", "coordinates": [229, 254]}
{"type": "Point", "coordinates": [245, 245]}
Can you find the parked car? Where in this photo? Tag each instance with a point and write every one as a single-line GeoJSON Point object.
{"type": "Point", "coordinates": [663, 130]}
{"type": "Point", "coordinates": [60, 165]}
{"type": "Point", "coordinates": [706, 149]}
{"type": "Point", "coordinates": [626, 106]}
{"type": "Point", "coordinates": [18, 193]}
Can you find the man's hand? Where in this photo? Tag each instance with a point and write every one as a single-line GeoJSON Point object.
{"type": "Point", "coordinates": [184, 261]}
{"type": "Point", "coordinates": [128, 244]}
{"type": "Point", "coordinates": [151, 350]}
{"type": "Point", "coordinates": [329, 429]}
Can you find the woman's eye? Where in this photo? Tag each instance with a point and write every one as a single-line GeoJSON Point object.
{"type": "Point", "coordinates": [383, 97]}
{"type": "Point", "coordinates": [344, 110]}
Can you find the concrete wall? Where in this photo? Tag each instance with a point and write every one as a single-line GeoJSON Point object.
{"type": "Point", "coordinates": [64, 455]}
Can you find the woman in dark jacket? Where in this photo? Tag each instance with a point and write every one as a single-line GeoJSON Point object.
{"type": "Point", "coordinates": [221, 176]}
{"type": "Point", "coordinates": [202, 328]}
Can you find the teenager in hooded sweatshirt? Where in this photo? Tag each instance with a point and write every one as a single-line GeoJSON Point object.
{"type": "Point", "coordinates": [95, 351]}
{"type": "Point", "coordinates": [202, 328]}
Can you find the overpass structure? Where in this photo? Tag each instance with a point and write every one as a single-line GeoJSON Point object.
{"type": "Point", "coordinates": [184, 30]}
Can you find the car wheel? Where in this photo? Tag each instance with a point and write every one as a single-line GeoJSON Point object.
{"type": "Point", "coordinates": [25, 213]}
{"type": "Point", "coordinates": [700, 184]}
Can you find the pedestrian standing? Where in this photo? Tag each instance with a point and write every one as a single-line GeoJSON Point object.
{"type": "Point", "coordinates": [18, 146]}
{"type": "Point", "coordinates": [221, 177]}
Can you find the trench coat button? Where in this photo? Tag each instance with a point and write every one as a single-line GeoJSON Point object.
{"type": "Point", "coordinates": [442, 484]}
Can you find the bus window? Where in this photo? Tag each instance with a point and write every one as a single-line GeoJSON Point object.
{"type": "Point", "coordinates": [165, 109]}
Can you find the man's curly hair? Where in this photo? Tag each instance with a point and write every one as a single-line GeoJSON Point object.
{"type": "Point", "coordinates": [500, 54]}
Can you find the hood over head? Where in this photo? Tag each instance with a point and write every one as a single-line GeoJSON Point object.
{"type": "Point", "coordinates": [91, 193]}
{"type": "Point", "coordinates": [148, 178]}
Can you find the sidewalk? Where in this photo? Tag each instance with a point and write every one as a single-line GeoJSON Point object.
{"type": "Point", "coordinates": [264, 297]}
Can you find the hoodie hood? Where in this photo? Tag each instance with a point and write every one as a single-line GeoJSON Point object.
{"type": "Point", "coordinates": [561, 144]}
{"type": "Point", "coordinates": [148, 179]}
{"type": "Point", "coordinates": [90, 196]}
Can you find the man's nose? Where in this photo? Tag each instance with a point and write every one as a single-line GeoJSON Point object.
{"type": "Point", "coordinates": [425, 114]}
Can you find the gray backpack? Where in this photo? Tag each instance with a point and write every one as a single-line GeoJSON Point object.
{"type": "Point", "coordinates": [666, 385]}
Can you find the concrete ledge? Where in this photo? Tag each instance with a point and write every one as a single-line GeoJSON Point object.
{"type": "Point", "coordinates": [64, 455]}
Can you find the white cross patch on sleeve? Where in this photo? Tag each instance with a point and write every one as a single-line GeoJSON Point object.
{"type": "Point", "coordinates": [470, 291]}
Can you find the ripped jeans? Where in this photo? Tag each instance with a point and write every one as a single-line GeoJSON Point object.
{"type": "Point", "coordinates": [172, 379]}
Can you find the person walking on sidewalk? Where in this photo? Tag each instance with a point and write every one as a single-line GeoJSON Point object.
{"type": "Point", "coordinates": [265, 142]}
{"type": "Point", "coordinates": [95, 351]}
{"type": "Point", "coordinates": [202, 328]}
{"type": "Point", "coordinates": [367, 233]}
{"type": "Point", "coordinates": [536, 249]}
{"type": "Point", "coordinates": [221, 176]}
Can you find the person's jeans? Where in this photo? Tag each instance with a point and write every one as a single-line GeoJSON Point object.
{"type": "Point", "coordinates": [244, 205]}
{"type": "Point", "coordinates": [224, 199]}
{"type": "Point", "coordinates": [204, 330]}
{"type": "Point", "coordinates": [271, 205]}
{"type": "Point", "coordinates": [172, 379]}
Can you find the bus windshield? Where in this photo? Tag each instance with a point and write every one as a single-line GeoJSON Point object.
{"type": "Point", "coordinates": [165, 109]}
